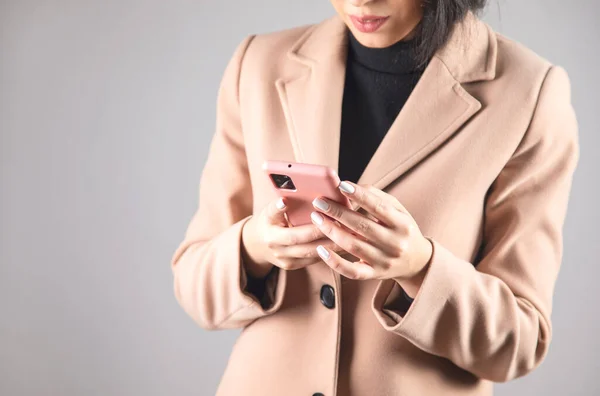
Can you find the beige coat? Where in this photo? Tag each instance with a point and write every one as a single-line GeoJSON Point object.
{"type": "Point", "coordinates": [482, 155]}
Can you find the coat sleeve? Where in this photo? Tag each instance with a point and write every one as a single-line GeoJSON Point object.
{"type": "Point", "coordinates": [210, 282]}
{"type": "Point", "coordinates": [492, 317]}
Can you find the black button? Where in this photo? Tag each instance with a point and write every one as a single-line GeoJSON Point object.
{"type": "Point", "coordinates": [327, 299]}
{"type": "Point", "coordinates": [318, 394]}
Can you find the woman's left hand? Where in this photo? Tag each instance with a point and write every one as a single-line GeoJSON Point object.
{"type": "Point", "coordinates": [387, 241]}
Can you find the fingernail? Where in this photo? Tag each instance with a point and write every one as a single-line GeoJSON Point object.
{"type": "Point", "coordinates": [347, 187]}
{"type": "Point", "coordinates": [321, 251]}
{"type": "Point", "coordinates": [280, 204]}
{"type": "Point", "coordinates": [320, 204]}
{"type": "Point", "coordinates": [316, 218]}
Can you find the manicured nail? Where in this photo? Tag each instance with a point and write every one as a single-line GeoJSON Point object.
{"type": "Point", "coordinates": [347, 187]}
{"type": "Point", "coordinates": [321, 205]}
{"type": "Point", "coordinates": [317, 218]}
{"type": "Point", "coordinates": [280, 204]}
{"type": "Point", "coordinates": [321, 251]}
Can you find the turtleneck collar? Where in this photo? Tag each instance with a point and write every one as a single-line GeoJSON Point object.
{"type": "Point", "coordinates": [396, 59]}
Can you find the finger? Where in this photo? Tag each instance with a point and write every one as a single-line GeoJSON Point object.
{"type": "Point", "coordinates": [291, 264]}
{"type": "Point", "coordinates": [356, 222]}
{"type": "Point", "coordinates": [379, 204]}
{"type": "Point", "coordinates": [404, 221]}
{"type": "Point", "coordinates": [344, 239]}
{"type": "Point", "coordinates": [290, 236]}
{"type": "Point", "coordinates": [306, 250]}
{"type": "Point", "coordinates": [276, 212]}
{"type": "Point", "coordinates": [352, 270]}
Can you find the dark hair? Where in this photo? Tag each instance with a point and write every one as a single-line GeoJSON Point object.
{"type": "Point", "coordinates": [439, 18]}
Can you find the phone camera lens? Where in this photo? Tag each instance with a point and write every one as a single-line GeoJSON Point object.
{"type": "Point", "coordinates": [283, 182]}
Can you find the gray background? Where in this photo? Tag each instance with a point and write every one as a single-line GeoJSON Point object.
{"type": "Point", "coordinates": [106, 110]}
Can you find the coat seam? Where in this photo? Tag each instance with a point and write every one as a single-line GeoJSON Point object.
{"type": "Point", "coordinates": [226, 318]}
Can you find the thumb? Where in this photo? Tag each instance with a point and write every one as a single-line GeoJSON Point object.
{"type": "Point", "coordinates": [276, 212]}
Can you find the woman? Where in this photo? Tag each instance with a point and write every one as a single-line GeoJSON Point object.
{"type": "Point", "coordinates": [458, 145]}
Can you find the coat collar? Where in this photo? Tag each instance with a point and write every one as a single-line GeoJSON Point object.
{"type": "Point", "coordinates": [469, 54]}
{"type": "Point", "coordinates": [436, 109]}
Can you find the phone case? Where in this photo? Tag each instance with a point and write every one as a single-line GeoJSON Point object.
{"type": "Point", "coordinates": [311, 181]}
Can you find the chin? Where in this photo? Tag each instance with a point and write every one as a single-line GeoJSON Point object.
{"type": "Point", "coordinates": [373, 40]}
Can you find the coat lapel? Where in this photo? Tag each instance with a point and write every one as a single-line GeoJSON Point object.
{"type": "Point", "coordinates": [439, 104]}
{"type": "Point", "coordinates": [312, 101]}
{"type": "Point", "coordinates": [437, 108]}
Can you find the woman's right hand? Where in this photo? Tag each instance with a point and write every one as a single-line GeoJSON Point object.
{"type": "Point", "coordinates": [267, 241]}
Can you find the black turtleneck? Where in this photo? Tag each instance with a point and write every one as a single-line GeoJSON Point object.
{"type": "Point", "coordinates": [378, 83]}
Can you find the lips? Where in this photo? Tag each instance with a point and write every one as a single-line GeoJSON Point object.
{"type": "Point", "coordinates": [368, 23]}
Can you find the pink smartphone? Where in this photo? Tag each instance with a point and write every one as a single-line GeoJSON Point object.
{"type": "Point", "coordinates": [300, 184]}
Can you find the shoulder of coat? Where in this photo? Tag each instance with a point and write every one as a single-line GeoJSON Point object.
{"type": "Point", "coordinates": [514, 58]}
{"type": "Point", "coordinates": [267, 53]}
